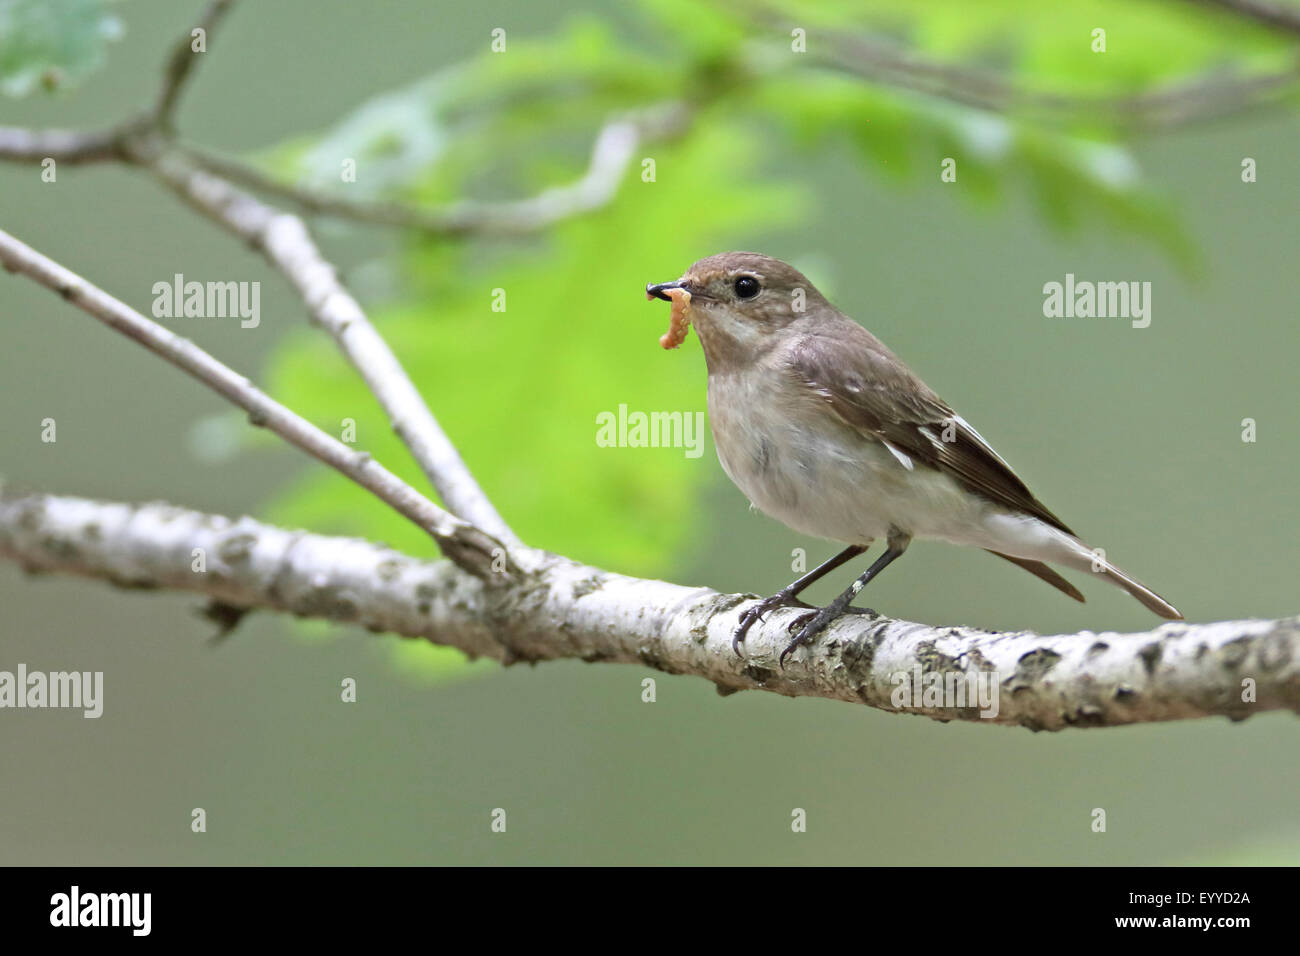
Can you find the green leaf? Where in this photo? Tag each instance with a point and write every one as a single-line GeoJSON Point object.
{"type": "Point", "coordinates": [52, 43]}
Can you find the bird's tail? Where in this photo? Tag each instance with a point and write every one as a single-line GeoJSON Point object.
{"type": "Point", "coordinates": [1086, 559]}
{"type": "Point", "coordinates": [1152, 601]}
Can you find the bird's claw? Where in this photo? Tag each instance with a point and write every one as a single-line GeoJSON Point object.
{"type": "Point", "coordinates": [815, 624]}
{"type": "Point", "coordinates": [810, 625]}
{"type": "Point", "coordinates": [779, 599]}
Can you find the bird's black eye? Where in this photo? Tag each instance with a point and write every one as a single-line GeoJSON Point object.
{"type": "Point", "coordinates": [746, 287]}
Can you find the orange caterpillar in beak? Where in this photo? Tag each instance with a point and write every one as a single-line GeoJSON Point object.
{"type": "Point", "coordinates": [679, 321]}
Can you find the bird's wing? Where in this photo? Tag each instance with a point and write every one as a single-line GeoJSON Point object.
{"type": "Point", "coordinates": [875, 393]}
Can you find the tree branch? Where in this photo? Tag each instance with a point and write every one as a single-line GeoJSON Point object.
{"type": "Point", "coordinates": [21, 145]}
{"type": "Point", "coordinates": [559, 609]}
{"type": "Point", "coordinates": [612, 152]}
{"type": "Point", "coordinates": [466, 545]}
{"type": "Point", "coordinates": [182, 63]}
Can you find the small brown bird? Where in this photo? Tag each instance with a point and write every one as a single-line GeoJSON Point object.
{"type": "Point", "coordinates": [825, 429]}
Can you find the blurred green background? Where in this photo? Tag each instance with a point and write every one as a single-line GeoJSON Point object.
{"type": "Point", "coordinates": [1132, 436]}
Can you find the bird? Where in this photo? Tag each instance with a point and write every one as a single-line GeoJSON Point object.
{"type": "Point", "coordinates": [826, 430]}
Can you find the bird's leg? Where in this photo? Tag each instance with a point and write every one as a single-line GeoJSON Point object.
{"type": "Point", "coordinates": [898, 542]}
{"type": "Point", "coordinates": [788, 596]}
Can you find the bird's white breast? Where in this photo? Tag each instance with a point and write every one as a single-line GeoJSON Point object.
{"type": "Point", "coordinates": [799, 463]}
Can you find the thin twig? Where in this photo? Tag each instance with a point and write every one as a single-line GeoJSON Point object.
{"type": "Point", "coordinates": [612, 152]}
{"type": "Point", "coordinates": [182, 63]}
{"type": "Point", "coordinates": [469, 547]}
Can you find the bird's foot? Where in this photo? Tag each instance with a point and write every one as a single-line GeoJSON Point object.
{"type": "Point", "coordinates": [782, 598]}
{"type": "Point", "coordinates": [813, 624]}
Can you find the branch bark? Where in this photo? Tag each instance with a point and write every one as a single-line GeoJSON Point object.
{"type": "Point", "coordinates": [560, 609]}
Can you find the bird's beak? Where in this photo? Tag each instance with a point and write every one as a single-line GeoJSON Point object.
{"type": "Point", "coordinates": [657, 291]}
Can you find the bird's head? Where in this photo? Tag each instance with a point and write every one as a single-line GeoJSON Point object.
{"type": "Point", "coordinates": [739, 301]}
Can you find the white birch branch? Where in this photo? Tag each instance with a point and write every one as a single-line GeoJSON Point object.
{"type": "Point", "coordinates": [559, 609]}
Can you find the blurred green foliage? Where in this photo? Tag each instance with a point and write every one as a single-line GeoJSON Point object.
{"type": "Point", "coordinates": [1048, 45]}
{"type": "Point", "coordinates": [51, 43]}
